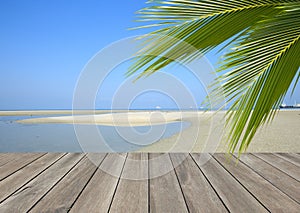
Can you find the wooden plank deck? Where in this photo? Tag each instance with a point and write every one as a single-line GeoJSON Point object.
{"type": "Point", "coordinates": [149, 182]}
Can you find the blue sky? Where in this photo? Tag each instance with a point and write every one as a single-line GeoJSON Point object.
{"type": "Point", "coordinates": [44, 46]}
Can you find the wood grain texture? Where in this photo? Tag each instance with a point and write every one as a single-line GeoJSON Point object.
{"type": "Point", "coordinates": [271, 197]}
{"type": "Point", "coordinates": [28, 195]}
{"type": "Point", "coordinates": [6, 157]}
{"type": "Point", "coordinates": [165, 192]}
{"type": "Point", "coordinates": [145, 182]}
{"type": "Point", "coordinates": [98, 194]}
{"type": "Point", "coordinates": [200, 196]}
{"type": "Point", "coordinates": [291, 157]}
{"type": "Point", "coordinates": [132, 192]}
{"type": "Point", "coordinates": [19, 161]}
{"type": "Point", "coordinates": [281, 164]}
{"type": "Point", "coordinates": [18, 179]}
{"type": "Point", "coordinates": [235, 196]}
{"type": "Point", "coordinates": [282, 181]}
{"type": "Point", "coordinates": [64, 194]}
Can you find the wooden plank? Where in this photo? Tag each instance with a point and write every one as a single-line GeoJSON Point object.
{"type": "Point", "coordinates": [98, 194]}
{"type": "Point", "coordinates": [19, 161]}
{"type": "Point", "coordinates": [199, 195]}
{"type": "Point", "coordinates": [232, 193]}
{"type": "Point", "coordinates": [14, 182]}
{"type": "Point", "coordinates": [28, 195]}
{"type": "Point", "coordinates": [165, 192]}
{"type": "Point", "coordinates": [291, 157]}
{"type": "Point", "coordinates": [3, 155]}
{"type": "Point", "coordinates": [272, 198]}
{"type": "Point", "coordinates": [132, 192]}
{"type": "Point", "coordinates": [64, 194]}
{"type": "Point", "coordinates": [281, 164]}
{"type": "Point", "coordinates": [6, 157]}
{"type": "Point", "coordinates": [282, 181]}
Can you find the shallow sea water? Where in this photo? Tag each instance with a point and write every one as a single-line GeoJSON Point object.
{"type": "Point", "coordinates": [16, 137]}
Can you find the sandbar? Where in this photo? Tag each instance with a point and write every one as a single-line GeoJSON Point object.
{"type": "Point", "coordinates": [204, 134]}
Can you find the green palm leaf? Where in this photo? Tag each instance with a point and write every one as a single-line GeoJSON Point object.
{"type": "Point", "coordinates": [266, 61]}
{"type": "Point", "coordinates": [262, 38]}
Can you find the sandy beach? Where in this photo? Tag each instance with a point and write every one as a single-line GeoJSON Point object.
{"type": "Point", "coordinates": [113, 119]}
{"type": "Point", "coordinates": [203, 135]}
{"type": "Point", "coordinates": [282, 135]}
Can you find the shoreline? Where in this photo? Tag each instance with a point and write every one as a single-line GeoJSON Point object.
{"type": "Point", "coordinates": [203, 135]}
{"type": "Point", "coordinates": [111, 119]}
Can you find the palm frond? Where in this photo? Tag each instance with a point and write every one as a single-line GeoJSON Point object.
{"type": "Point", "coordinates": [260, 66]}
{"type": "Point", "coordinates": [265, 62]}
{"type": "Point", "coordinates": [203, 24]}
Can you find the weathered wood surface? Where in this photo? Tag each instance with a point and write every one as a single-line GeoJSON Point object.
{"type": "Point", "coordinates": [271, 197]}
{"type": "Point", "coordinates": [16, 162]}
{"type": "Point", "coordinates": [148, 182]}
{"type": "Point", "coordinates": [279, 179]}
{"type": "Point", "coordinates": [132, 190]}
{"type": "Point", "coordinates": [99, 193]}
{"type": "Point", "coordinates": [195, 186]}
{"type": "Point", "coordinates": [233, 194]}
{"type": "Point", "coordinates": [12, 183]}
{"type": "Point", "coordinates": [281, 164]}
{"type": "Point", "coordinates": [291, 157]}
{"type": "Point", "coordinates": [29, 194]}
{"type": "Point", "coordinates": [164, 187]}
{"type": "Point", "coordinates": [68, 189]}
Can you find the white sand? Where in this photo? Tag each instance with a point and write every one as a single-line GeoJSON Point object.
{"type": "Point", "coordinates": [204, 134]}
{"type": "Point", "coordinates": [113, 119]}
{"type": "Point", "coordinates": [282, 135]}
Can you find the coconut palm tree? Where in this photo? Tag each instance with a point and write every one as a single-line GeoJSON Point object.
{"type": "Point", "coordinates": [262, 58]}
